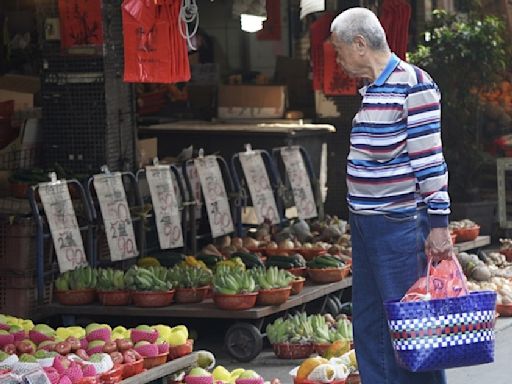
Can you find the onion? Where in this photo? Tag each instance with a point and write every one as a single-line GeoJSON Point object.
{"type": "Point", "coordinates": [249, 242]}
{"type": "Point", "coordinates": [237, 242]}
{"type": "Point", "coordinates": [286, 244]}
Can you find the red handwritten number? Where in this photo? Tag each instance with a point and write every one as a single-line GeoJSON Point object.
{"type": "Point", "coordinates": [75, 256]}
{"type": "Point", "coordinates": [173, 232]}
{"type": "Point", "coordinates": [126, 245]}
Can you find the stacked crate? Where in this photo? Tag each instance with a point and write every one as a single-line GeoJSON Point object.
{"type": "Point", "coordinates": [88, 111]}
{"type": "Point", "coordinates": [18, 293]}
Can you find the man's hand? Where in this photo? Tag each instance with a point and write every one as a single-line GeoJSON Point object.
{"type": "Point", "coordinates": [439, 244]}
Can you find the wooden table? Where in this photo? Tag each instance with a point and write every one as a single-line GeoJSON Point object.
{"type": "Point", "coordinates": [479, 242]}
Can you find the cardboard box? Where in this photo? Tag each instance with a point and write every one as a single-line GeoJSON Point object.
{"type": "Point", "coordinates": [24, 90]}
{"type": "Point", "coordinates": [147, 150]}
{"type": "Point", "coordinates": [251, 101]}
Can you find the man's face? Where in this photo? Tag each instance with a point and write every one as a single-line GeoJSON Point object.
{"type": "Point", "coordinates": [348, 57]}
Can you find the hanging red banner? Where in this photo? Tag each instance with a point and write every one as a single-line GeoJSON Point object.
{"type": "Point", "coordinates": [81, 23]}
{"type": "Point", "coordinates": [272, 26]}
{"type": "Point", "coordinates": [335, 82]}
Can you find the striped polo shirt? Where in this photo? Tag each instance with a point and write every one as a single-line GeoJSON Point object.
{"type": "Point", "coordinates": [396, 162]}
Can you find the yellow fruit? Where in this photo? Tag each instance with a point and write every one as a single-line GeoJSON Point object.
{"type": "Point", "coordinates": [221, 374]}
{"type": "Point", "coordinates": [236, 373]}
{"type": "Point", "coordinates": [308, 365]}
{"type": "Point", "coordinates": [352, 358]}
{"type": "Point", "coordinates": [164, 331]}
{"type": "Point", "coordinates": [62, 333]}
{"type": "Point", "coordinates": [148, 262]}
{"type": "Point", "coordinates": [338, 348]}
{"type": "Point", "coordinates": [77, 332]}
{"type": "Point", "coordinates": [178, 335]}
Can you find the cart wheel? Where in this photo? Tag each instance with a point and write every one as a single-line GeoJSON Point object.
{"type": "Point", "coordinates": [243, 341]}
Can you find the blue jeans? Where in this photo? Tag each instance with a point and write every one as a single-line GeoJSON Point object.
{"type": "Point", "coordinates": [388, 257]}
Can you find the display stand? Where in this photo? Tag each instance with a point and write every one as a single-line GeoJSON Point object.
{"type": "Point", "coordinates": [43, 232]}
{"type": "Point", "coordinates": [257, 180]}
{"type": "Point", "coordinates": [184, 200]}
{"type": "Point", "coordinates": [243, 340]}
{"type": "Point", "coordinates": [479, 242]}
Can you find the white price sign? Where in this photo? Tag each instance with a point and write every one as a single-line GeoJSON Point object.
{"type": "Point", "coordinates": [116, 216]}
{"type": "Point", "coordinates": [299, 180]}
{"type": "Point", "coordinates": [63, 224]}
{"type": "Point", "coordinates": [165, 206]}
{"type": "Point", "coordinates": [259, 186]}
{"type": "Point", "coordinates": [215, 196]}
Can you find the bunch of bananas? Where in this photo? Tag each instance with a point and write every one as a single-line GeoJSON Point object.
{"type": "Point", "coordinates": [271, 278]}
{"type": "Point", "coordinates": [325, 261]}
{"type": "Point", "coordinates": [322, 333]}
{"type": "Point", "coordinates": [141, 279]}
{"type": "Point", "coordinates": [110, 279]}
{"type": "Point", "coordinates": [234, 263]}
{"type": "Point", "coordinates": [186, 276]}
{"type": "Point", "coordinates": [191, 261]}
{"type": "Point", "coordinates": [294, 329]}
{"type": "Point", "coordinates": [79, 278]}
{"type": "Point", "coordinates": [343, 328]}
{"type": "Point", "coordinates": [228, 281]}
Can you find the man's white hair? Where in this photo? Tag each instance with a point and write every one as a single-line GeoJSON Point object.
{"type": "Point", "coordinates": [360, 22]}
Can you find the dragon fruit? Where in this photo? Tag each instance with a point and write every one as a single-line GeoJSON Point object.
{"type": "Point", "coordinates": [65, 380]}
{"type": "Point", "coordinates": [163, 348]}
{"type": "Point", "coordinates": [84, 343]}
{"type": "Point", "coordinates": [141, 333]}
{"type": "Point", "coordinates": [38, 337]}
{"type": "Point", "coordinates": [98, 332]}
{"type": "Point", "coordinates": [6, 338]}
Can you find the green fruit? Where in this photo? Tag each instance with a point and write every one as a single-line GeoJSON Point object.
{"type": "Point", "coordinates": [3, 332]}
{"type": "Point", "coordinates": [146, 328]}
{"type": "Point", "coordinates": [41, 354]}
{"type": "Point", "coordinates": [199, 372]}
{"type": "Point", "coordinates": [92, 327]}
{"type": "Point", "coordinates": [249, 374]}
{"type": "Point", "coordinates": [96, 358]}
{"type": "Point", "coordinates": [161, 340]}
{"type": "Point", "coordinates": [26, 358]}
{"type": "Point", "coordinates": [3, 355]}
{"type": "Point", "coordinates": [44, 329]}
{"type": "Point", "coordinates": [96, 343]}
{"type": "Point", "coordinates": [15, 329]}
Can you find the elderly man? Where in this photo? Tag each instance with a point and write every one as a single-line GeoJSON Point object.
{"type": "Point", "coordinates": [397, 187]}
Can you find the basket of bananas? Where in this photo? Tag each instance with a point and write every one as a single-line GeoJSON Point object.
{"type": "Point", "coordinates": [76, 287]}
{"type": "Point", "coordinates": [274, 285]}
{"type": "Point", "coordinates": [150, 287]}
{"type": "Point", "coordinates": [111, 287]}
{"type": "Point", "coordinates": [192, 283]}
{"type": "Point", "coordinates": [327, 269]}
{"type": "Point", "coordinates": [234, 288]}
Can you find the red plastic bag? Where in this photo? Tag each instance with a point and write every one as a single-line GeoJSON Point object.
{"type": "Point", "coordinates": [442, 281]}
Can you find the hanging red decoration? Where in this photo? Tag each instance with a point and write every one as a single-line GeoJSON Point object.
{"type": "Point", "coordinates": [394, 16]}
{"type": "Point", "coordinates": [81, 23]}
{"type": "Point", "coordinates": [272, 26]}
{"type": "Point", "coordinates": [319, 31]}
{"type": "Point", "coordinates": [335, 82]}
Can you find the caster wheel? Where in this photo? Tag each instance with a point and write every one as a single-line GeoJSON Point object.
{"type": "Point", "coordinates": [243, 341]}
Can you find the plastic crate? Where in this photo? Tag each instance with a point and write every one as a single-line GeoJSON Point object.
{"type": "Point", "coordinates": [18, 247]}
{"type": "Point", "coordinates": [22, 302]}
{"type": "Point", "coordinates": [12, 281]}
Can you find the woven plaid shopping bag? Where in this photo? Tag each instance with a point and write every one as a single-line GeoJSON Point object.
{"type": "Point", "coordinates": [443, 333]}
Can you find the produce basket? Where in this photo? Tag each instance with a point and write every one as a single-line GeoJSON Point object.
{"type": "Point", "coordinates": [505, 310]}
{"type": "Point", "coordinates": [467, 234]}
{"type": "Point", "coordinates": [321, 348]}
{"type": "Point", "coordinates": [311, 253]}
{"type": "Point", "coordinates": [281, 251]}
{"type": "Point", "coordinates": [235, 302]}
{"type": "Point", "coordinates": [353, 378]}
{"type": "Point", "coordinates": [88, 380]}
{"type": "Point", "coordinates": [132, 369]}
{"type": "Point", "coordinates": [190, 295]}
{"type": "Point", "coordinates": [297, 285]}
{"type": "Point", "coordinates": [114, 298]}
{"type": "Point", "coordinates": [328, 275]}
{"type": "Point", "coordinates": [454, 237]}
{"type": "Point", "coordinates": [113, 376]}
{"type": "Point", "coordinates": [293, 351]}
{"type": "Point", "coordinates": [275, 296]}
{"type": "Point", "coordinates": [76, 297]}
{"type": "Point", "coordinates": [155, 361]}
{"type": "Point", "coordinates": [306, 381]}
{"type": "Point", "coordinates": [152, 299]}
{"type": "Point", "coordinates": [178, 351]}
{"type": "Point", "coordinates": [298, 271]}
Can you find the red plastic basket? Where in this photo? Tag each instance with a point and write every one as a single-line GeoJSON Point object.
{"type": "Point", "coordinates": [133, 369]}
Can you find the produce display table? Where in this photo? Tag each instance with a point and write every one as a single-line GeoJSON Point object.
{"type": "Point", "coordinates": [244, 339]}
{"type": "Point", "coordinates": [479, 242]}
{"type": "Point", "coordinates": [162, 371]}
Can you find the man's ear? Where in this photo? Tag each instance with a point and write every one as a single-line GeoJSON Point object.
{"type": "Point", "coordinates": [360, 44]}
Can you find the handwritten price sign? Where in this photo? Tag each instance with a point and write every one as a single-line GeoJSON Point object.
{"type": "Point", "coordinates": [259, 186]}
{"type": "Point", "coordinates": [215, 196]}
{"type": "Point", "coordinates": [64, 228]}
{"type": "Point", "coordinates": [165, 206]}
{"type": "Point", "coordinates": [116, 216]}
{"type": "Point", "coordinates": [299, 180]}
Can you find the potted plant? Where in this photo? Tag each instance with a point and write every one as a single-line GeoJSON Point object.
{"type": "Point", "coordinates": [234, 289]}
{"type": "Point", "coordinates": [149, 286]}
{"type": "Point", "coordinates": [274, 285]}
{"type": "Point", "coordinates": [111, 287]}
{"type": "Point", "coordinates": [465, 56]}
{"type": "Point", "coordinates": [192, 283]}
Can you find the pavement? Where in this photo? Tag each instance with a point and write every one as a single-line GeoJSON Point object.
{"type": "Point", "coordinates": [267, 365]}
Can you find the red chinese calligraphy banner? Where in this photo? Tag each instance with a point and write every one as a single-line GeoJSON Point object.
{"type": "Point", "coordinates": [81, 23]}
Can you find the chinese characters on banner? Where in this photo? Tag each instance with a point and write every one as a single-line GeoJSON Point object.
{"type": "Point", "coordinates": [63, 225]}
{"type": "Point", "coordinates": [259, 186]}
{"type": "Point", "coordinates": [81, 23]}
{"type": "Point", "coordinates": [215, 196]}
{"type": "Point", "coordinates": [116, 216]}
{"type": "Point", "coordinates": [165, 206]}
{"type": "Point", "coordinates": [299, 180]}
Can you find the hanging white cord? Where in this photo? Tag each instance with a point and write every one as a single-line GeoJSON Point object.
{"type": "Point", "coordinates": [188, 14]}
